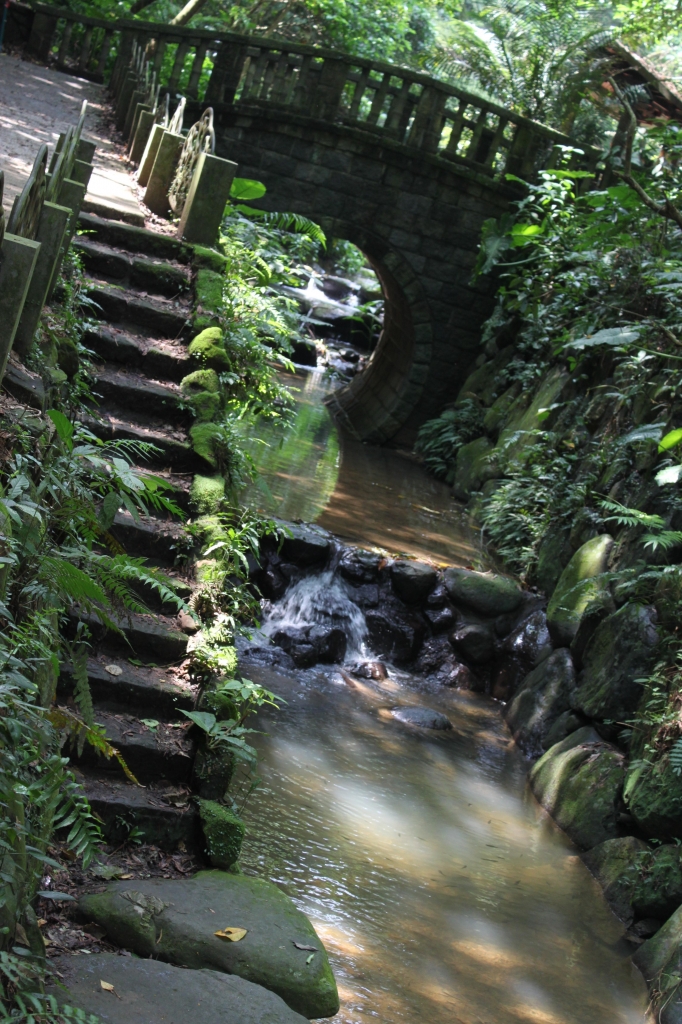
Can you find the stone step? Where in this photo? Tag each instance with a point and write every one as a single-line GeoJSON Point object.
{"type": "Point", "coordinates": [151, 691]}
{"type": "Point", "coordinates": [133, 390]}
{"type": "Point", "coordinates": [157, 358]}
{"type": "Point", "coordinates": [154, 750]}
{"type": "Point", "coordinates": [173, 448]}
{"type": "Point", "coordinates": [163, 813]}
{"type": "Point", "coordinates": [155, 635]}
{"type": "Point", "coordinates": [134, 239]}
{"type": "Point", "coordinates": [117, 305]}
{"type": "Point", "coordinates": [155, 276]}
{"type": "Point", "coordinates": [163, 542]}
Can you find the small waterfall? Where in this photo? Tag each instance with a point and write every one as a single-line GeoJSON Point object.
{"type": "Point", "coordinates": [319, 601]}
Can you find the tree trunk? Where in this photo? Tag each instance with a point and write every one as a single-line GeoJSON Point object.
{"type": "Point", "coordinates": [187, 12]}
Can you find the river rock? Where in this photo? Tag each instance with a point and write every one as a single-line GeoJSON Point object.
{"type": "Point", "coordinates": [438, 598]}
{"type": "Point", "coordinates": [413, 581]}
{"type": "Point", "coordinates": [653, 796]}
{"type": "Point", "coordinates": [439, 664]}
{"type": "Point", "coordinates": [564, 725]}
{"type": "Point", "coordinates": [542, 696]}
{"type": "Point", "coordinates": [620, 652]}
{"type": "Point", "coordinates": [475, 642]}
{"type": "Point", "coordinates": [151, 992]}
{"type": "Point", "coordinates": [484, 592]}
{"type": "Point", "coordinates": [422, 718]}
{"type": "Point", "coordinates": [309, 645]}
{"type": "Point", "coordinates": [475, 464]}
{"type": "Point", "coordinates": [365, 596]}
{"type": "Point", "coordinates": [305, 544]}
{"type": "Point", "coordinates": [579, 587]}
{"type": "Point", "coordinates": [359, 566]}
{"type": "Point", "coordinates": [661, 956]}
{"type": "Point", "coordinates": [522, 650]}
{"type": "Point", "coordinates": [394, 632]}
{"type": "Point", "coordinates": [580, 781]}
{"type": "Point", "coordinates": [440, 619]}
{"type": "Point", "coordinates": [614, 864]}
{"type": "Point", "coordinates": [658, 883]}
{"type": "Point", "coordinates": [176, 921]}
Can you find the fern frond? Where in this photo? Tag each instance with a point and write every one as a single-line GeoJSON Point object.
{"type": "Point", "coordinates": [675, 757]}
{"type": "Point", "coordinates": [295, 222]}
{"type": "Point", "coordinates": [73, 730]}
{"type": "Point", "coordinates": [85, 834]}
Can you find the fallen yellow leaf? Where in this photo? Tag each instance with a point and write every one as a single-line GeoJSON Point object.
{"type": "Point", "coordinates": [107, 986]}
{"type": "Point", "coordinates": [231, 934]}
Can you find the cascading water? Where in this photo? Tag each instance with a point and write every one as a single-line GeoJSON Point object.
{"type": "Point", "coordinates": [319, 600]}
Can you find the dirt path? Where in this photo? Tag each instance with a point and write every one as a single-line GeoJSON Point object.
{"type": "Point", "coordinates": [38, 103]}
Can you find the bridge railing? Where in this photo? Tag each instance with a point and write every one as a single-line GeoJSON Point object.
{"type": "Point", "coordinates": [393, 103]}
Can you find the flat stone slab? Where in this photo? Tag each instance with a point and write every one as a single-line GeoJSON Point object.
{"type": "Point", "coordinates": [176, 921]}
{"type": "Point", "coordinates": [151, 992]}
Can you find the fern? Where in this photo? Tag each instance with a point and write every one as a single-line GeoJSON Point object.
{"type": "Point", "coordinates": [675, 757]}
{"type": "Point", "coordinates": [81, 688]}
{"type": "Point", "coordinates": [85, 834]}
{"type": "Point", "coordinates": [72, 729]}
{"type": "Point", "coordinates": [22, 999]}
{"type": "Point", "coordinates": [295, 222]}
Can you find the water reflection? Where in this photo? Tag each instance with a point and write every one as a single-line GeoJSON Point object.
{"type": "Point", "coordinates": [361, 493]}
{"type": "Point", "coordinates": [440, 890]}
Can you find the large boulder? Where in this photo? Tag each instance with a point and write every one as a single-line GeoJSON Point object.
{"type": "Point", "coordinates": [474, 641]}
{"type": "Point", "coordinates": [542, 696]}
{"type": "Point", "coordinates": [523, 649]}
{"type": "Point", "coordinates": [620, 652]}
{"type": "Point", "coordinates": [580, 781]}
{"type": "Point", "coordinates": [660, 961]}
{"type": "Point", "coordinates": [413, 581]}
{"type": "Point", "coordinates": [359, 566]}
{"type": "Point", "coordinates": [614, 864]}
{"type": "Point", "coordinates": [309, 645]}
{"type": "Point", "coordinates": [484, 592]}
{"type": "Point", "coordinates": [176, 921]}
{"type": "Point", "coordinates": [152, 992]}
{"type": "Point", "coordinates": [394, 632]}
{"type": "Point", "coordinates": [475, 464]}
{"type": "Point", "coordinates": [657, 890]}
{"type": "Point", "coordinates": [304, 544]}
{"type": "Point", "coordinates": [653, 795]}
{"type": "Point", "coordinates": [579, 587]}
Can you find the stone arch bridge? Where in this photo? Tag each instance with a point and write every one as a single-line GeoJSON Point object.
{"type": "Point", "coordinates": [404, 166]}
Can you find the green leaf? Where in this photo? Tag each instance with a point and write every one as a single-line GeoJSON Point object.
{"type": "Point", "coordinates": [63, 426]}
{"type": "Point", "coordinates": [669, 475]}
{"type": "Point", "coordinates": [249, 211]}
{"type": "Point", "coordinates": [647, 432]}
{"type": "Point", "coordinates": [247, 188]}
{"type": "Point", "coordinates": [609, 336]}
{"type": "Point", "coordinates": [110, 507]}
{"type": "Point", "coordinates": [672, 438]}
{"type": "Point", "coordinates": [203, 719]}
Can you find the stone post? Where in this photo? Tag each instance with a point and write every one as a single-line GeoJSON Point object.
{"type": "Point", "coordinates": [51, 228]}
{"type": "Point", "coordinates": [149, 155]}
{"type": "Point", "coordinates": [161, 178]}
{"type": "Point", "coordinates": [81, 172]}
{"type": "Point", "coordinates": [144, 130]}
{"type": "Point", "coordinates": [17, 262]}
{"type": "Point", "coordinates": [71, 195]}
{"type": "Point", "coordinates": [206, 199]}
{"type": "Point", "coordinates": [137, 97]}
{"type": "Point", "coordinates": [139, 110]}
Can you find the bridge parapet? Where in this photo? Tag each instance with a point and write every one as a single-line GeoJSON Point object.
{"type": "Point", "coordinates": [409, 108]}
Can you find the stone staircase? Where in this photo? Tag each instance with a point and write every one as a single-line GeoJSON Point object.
{"type": "Point", "coordinates": [142, 284]}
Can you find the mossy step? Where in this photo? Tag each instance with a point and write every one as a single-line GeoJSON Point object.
{"type": "Point", "coordinates": [150, 690]}
{"type": "Point", "coordinates": [153, 752]}
{"type": "Point", "coordinates": [162, 358]}
{"type": "Point", "coordinates": [158, 277]}
{"type": "Point", "coordinates": [118, 305]}
{"type": "Point", "coordinates": [171, 451]}
{"type": "Point", "coordinates": [134, 239]}
{"type": "Point", "coordinates": [134, 391]}
{"type": "Point", "coordinates": [147, 635]}
{"type": "Point", "coordinates": [164, 814]}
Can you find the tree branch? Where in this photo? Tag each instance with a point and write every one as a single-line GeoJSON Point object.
{"type": "Point", "coordinates": [665, 209]}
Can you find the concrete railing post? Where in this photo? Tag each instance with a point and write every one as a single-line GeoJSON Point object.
{"type": "Point", "coordinates": [163, 171]}
{"type": "Point", "coordinates": [149, 154]}
{"type": "Point", "coordinates": [17, 262]}
{"type": "Point", "coordinates": [206, 199]}
{"type": "Point", "coordinates": [51, 229]}
{"type": "Point", "coordinates": [145, 126]}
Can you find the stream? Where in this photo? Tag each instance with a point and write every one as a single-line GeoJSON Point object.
{"type": "Point", "coordinates": [441, 890]}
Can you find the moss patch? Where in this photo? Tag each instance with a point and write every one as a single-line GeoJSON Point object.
{"type": "Point", "coordinates": [200, 380]}
{"type": "Point", "coordinates": [208, 346]}
{"type": "Point", "coordinates": [223, 831]}
{"type": "Point", "coordinates": [208, 259]}
{"type": "Point", "coordinates": [207, 492]}
{"type": "Point", "coordinates": [208, 292]}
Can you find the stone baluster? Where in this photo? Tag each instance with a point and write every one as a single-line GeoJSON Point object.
{"type": "Point", "coordinates": [227, 73]}
{"type": "Point", "coordinates": [326, 100]}
{"type": "Point", "coordinates": [427, 126]}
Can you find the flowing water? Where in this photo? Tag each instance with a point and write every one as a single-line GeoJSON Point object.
{"type": "Point", "coordinates": [442, 892]}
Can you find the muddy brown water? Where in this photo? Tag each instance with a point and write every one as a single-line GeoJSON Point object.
{"type": "Point", "coordinates": [441, 890]}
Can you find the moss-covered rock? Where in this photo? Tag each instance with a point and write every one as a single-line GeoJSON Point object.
{"type": "Point", "coordinates": [542, 696]}
{"type": "Point", "coordinates": [579, 587]}
{"type": "Point", "coordinates": [580, 782]}
{"type": "Point", "coordinates": [208, 294]}
{"type": "Point", "coordinates": [554, 555]}
{"type": "Point", "coordinates": [207, 492]}
{"type": "Point", "coordinates": [653, 795]}
{"type": "Point", "coordinates": [620, 652]}
{"type": "Point", "coordinates": [208, 259]}
{"type": "Point", "coordinates": [176, 921]}
{"type": "Point", "coordinates": [660, 957]}
{"type": "Point", "coordinates": [657, 889]}
{"type": "Point", "coordinates": [209, 347]}
{"type": "Point", "coordinates": [223, 832]}
{"type": "Point", "coordinates": [485, 382]}
{"type": "Point", "coordinates": [485, 592]}
{"type": "Point", "coordinates": [200, 380]}
{"type": "Point", "coordinates": [68, 359]}
{"type": "Point", "coordinates": [614, 865]}
{"type": "Point", "coordinates": [523, 424]}
{"type": "Point", "coordinates": [208, 441]}
{"type": "Point", "coordinates": [475, 464]}
{"type": "Point", "coordinates": [498, 413]}
{"type": "Point", "coordinates": [565, 724]}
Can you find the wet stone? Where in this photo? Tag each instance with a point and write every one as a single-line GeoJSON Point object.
{"type": "Point", "coordinates": [422, 718]}
{"type": "Point", "coordinates": [475, 642]}
{"type": "Point", "coordinates": [413, 581]}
